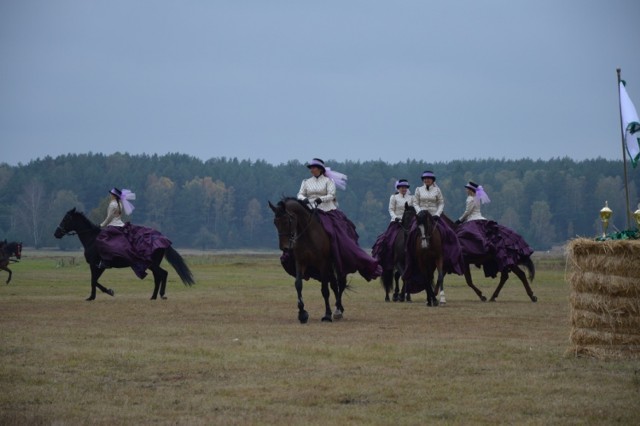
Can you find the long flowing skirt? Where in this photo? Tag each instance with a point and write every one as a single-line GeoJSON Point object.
{"type": "Point", "coordinates": [505, 247]}
{"type": "Point", "coordinates": [382, 249]}
{"type": "Point", "coordinates": [347, 255]}
{"type": "Point", "coordinates": [132, 244]}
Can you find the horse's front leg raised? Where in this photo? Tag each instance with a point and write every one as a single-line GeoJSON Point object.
{"type": "Point", "coordinates": [303, 316]}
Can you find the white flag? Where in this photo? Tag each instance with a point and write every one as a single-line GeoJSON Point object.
{"type": "Point", "coordinates": [630, 125]}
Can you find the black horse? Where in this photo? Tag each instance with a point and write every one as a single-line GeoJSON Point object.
{"type": "Point", "coordinates": [425, 246]}
{"type": "Point", "coordinates": [391, 276]}
{"type": "Point", "coordinates": [490, 260]}
{"type": "Point", "coordinates": [306, 245]}
{"type": "Point", "coordinates": [77, 223]}
{"type": "Point", "coordinates": [7, 251]}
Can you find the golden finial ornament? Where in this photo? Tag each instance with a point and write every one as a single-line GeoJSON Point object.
{"type": "Point", "coordinates": [605, 215]}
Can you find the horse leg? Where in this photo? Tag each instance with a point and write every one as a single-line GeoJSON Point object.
{"type": "Point", "coordinates": [4, 268]}
{"type": "Point", "coordinates": [431, 295]}
{"type": "Point", "coordinates": [95, 274]}
{"type": "Point", "coordinates": [504, 276]}
{"type": "Point", "coordinates": [303, 316]}
{"type": "Point", "coordinates": [523, 277]}
{"type": "Point", "coordinates": [325, 295]}
{"type": "Point", "coordinates": [338, 287]}
{"type": "Point", "coordinates": [440, 284]}
{"type": "Point", "coordinates": [387, 283]}
{"type": "Point", "coordinates": [396, 277]}
{"type": "Point", "coordinates": [156, 283]}
{"type": "Point", "coordinates": [163, 284]}
{"type": "Point", "coordinates": [467, 278]}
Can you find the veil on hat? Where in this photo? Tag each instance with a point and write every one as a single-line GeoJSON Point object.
{"type": "Point", "coordinates": [338, 178]}
{"type": "Point", "coordinates": [126, 196]}
{"type": "Point", "coordinates": [481, 196]}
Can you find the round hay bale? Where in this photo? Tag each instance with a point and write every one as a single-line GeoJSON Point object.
{"type": "Point", "coordinates": [604, 277]}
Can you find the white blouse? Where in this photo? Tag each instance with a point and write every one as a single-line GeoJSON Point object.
{"type": "Point", "coordinates": [396, 204]}
{"type": "Point", "coordinates": [430, 199]}
{"type": "Point", "coordinates": [472, 211]}
{"type": "Point", "coordinates": [113, 215]}
{"type": "Point", "coordinates": [319, 187]}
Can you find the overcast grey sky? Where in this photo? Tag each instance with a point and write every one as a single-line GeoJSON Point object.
{"type": "Point", "coordinates": [336, 79]}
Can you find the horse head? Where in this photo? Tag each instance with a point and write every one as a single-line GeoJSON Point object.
{"type": "Point", "coordinates": [16, 249]}
{"type": "Point", "coordinates": [407, 216]}
{"type": "Point", "coordinates": [66, 224]}
{"type": "Point", "coordinates": [286, 219]}
{"type": "Point", "coordinates": [75, 221]}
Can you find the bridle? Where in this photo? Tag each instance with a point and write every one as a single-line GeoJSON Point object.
{"type": "Point", "coordinates": [71, 232]}
{"type": "Point", "coordinates": [293, 233]}
{"type": "Point", "coordinates": [65, 232]}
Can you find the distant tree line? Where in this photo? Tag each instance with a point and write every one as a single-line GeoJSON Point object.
{"type": "Point", "coordinates": [221, 203]}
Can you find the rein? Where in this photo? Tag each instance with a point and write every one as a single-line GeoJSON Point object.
{"type": "Point", "coordinates": [293, 234]}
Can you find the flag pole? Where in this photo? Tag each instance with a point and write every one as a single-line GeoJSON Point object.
{"type": "Point", "coordinates": [624, 153]}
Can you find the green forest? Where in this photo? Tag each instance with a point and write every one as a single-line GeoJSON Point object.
{"type": "Point", "coordinates": [222, 203]}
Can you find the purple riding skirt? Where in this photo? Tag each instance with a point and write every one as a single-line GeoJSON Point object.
{"type": "Point", "coordinates": [481, 237]}
{"type": "Point", "coordinates": [132, 244]}
{"type": "Point", "coordinates": [347, 255]}
{"type": "Point", "coordinates": [382, 249]}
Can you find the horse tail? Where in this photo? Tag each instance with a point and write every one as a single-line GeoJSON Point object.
{"type": "Point", "coordinates": [528, 263]}
{"type": "Point", "coordinates": [178, 263]}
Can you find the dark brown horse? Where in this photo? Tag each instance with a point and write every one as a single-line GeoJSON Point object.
{"type": "Point", "coordinates": [471, 259]}
{"type": "Point", "coordinates": [427, 248]}
{"type": "Point", "coordinates": [76, 223]}
{"type": "Point", "coordinates": [390, 278]}
{"type": "Point", "coordinates": [307, 253]}
{"type": "Point", "coordinates": [7, 251]}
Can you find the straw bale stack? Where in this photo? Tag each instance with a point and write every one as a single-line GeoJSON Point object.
{"type": "Point", "coordinates": [605, 297]}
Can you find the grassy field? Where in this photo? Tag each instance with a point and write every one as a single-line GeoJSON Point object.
{"type": "Point", "coordinates": [230, 351]}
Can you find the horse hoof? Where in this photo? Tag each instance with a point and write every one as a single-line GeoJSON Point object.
{"type": "Point", "coordinates": [163, 297]}
{"type": "Point", "coordinates": [386, 299]}
{"type": "Point", "coordinates": [409, 298]}
{"type": "Point", "coordinates": [337, 315]}
{"type": "Point", "coordinates": [482, 298]}
{"type": "Point", "coordinates": [111, 293]}
{"type": "Point", "coordinates": [327, 319]}
{"type": "Point", "coordinates": [395, 297]}
{"type": "Point", "coordinates": [534, 299]}
{"type": "Point", "coordinates": [493, 299]}
{"type": "Point", "coordinates": [303, 317]}
{"type": "Point", "coordinates": [89, 299]}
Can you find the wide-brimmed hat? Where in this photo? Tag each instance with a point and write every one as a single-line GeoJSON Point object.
{"type": "Point", "coordinates": [116, 192]}
{"type": "Point", "coordinates": [428, 174]}
{"type": "Point", "coordinates": [402, 182]}
{"type": "Point", "coordinates": [472, 186]}
{"type": "Point", "coordinates": [316, 162]}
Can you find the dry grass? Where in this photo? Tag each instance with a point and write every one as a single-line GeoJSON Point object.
{"type": "Point", "coordinates": [605, 297]}
{"type": "Point", "coordinates": [231, 351]}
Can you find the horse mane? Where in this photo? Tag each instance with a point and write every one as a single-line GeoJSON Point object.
{"type": "Point", "coordinates": [85, 219]}
{"type": "Point", "coordinates": [286, 199]}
